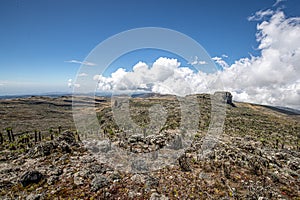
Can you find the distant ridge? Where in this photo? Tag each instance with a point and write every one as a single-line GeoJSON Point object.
{"type": "Point", "coordinates": [284, 110]}
{"type": "Point", "coordinates": [281, 109]}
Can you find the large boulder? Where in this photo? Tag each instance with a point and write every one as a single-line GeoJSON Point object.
{"type": "Point", "coordinates": [31, 177]}
{"type": "Point", "coordinates": [225, 97]}
{"type": "Point", "coordinates": [68, 137]}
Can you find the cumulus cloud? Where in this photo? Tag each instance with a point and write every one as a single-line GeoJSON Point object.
{"type": "Point", "coordinates": [270, 78]}
{"type": "Point", "coordinates": [165, 75]}
{"type": "Point", "coordinates": [81, 62]}
{"type": "Point", "coordinates": [220, 61]}
{"type": "Point", "coordinates": [196, 61]}
{"type": "Point", "coordinates": [71, 84]}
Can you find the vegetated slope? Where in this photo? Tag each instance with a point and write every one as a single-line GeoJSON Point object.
{"type": "Point", "coordinates": [257, 157]}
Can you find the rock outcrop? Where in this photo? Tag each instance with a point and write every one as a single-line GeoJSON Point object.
{"type": "Point", "coordinates": [226, 97]}
{"type": "Point", "coordinates": [30, 177]}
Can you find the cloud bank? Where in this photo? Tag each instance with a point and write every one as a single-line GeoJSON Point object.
{"type": "Point", "coordinates": [271, 78]}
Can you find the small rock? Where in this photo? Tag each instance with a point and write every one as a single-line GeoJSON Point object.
{"type": "Point", "coordinates": [78, 180]}
{"type": "Point", "coordinates": [42, 149]}
{"type": "Point", "coordinates": [133, 194]}
{"type": "Point", "coordinates": [151, 182]}
{"type": "Point", "coordinates": [63, 158]}
{"type": "Point", "coordinates": [156, 196]}
{"type": "Point", "coordinates": [65, 148]}
{"type": "Point", "coordinates": [6, 184]}
{"type": "Point", "coordinates": [184, 163]}
{"type": "Point", "coordinates": [31, 177]}
{"type": "Point", "coordinates": [33, 197]}
{"type": "Point", "coordinates": [137, 178]}
{"type": "Point", "coordinates": [104, 146]}
{"type": "Point", "coordinates": [135, 138]}
{"type": "Point", "coordinates": [99, 182]}
{"type": "Point", "coordinates": [115, 176]}
{"type": "Point", "coordinates": [94, 169]}
{"type": "Point", "coordinates": [139, 165]}
{"type": "Point", "coordinates": [52, 179]}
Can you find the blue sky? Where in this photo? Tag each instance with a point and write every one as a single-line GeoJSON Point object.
{"type": "Point", "coordinates": [37, 37]}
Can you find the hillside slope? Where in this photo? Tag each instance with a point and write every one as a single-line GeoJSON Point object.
{"type": "Point", "coordinates": [257, 156]}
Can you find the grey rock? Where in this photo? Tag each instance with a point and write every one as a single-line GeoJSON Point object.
{"type": "Point", "coordinates": [139, 165]}
{"type": "Point", "coordinates": [225, 97]}
{"type": "Point", "coordinates": [94, 169]}
{"type": "Point", "coordinates": [43, 149]}
{"type": "Point", "coordinates": [51, 180]}
{"type": "Point", "coordinates": [156, 196]}
{"type": "Point", "coordinates": [34, 197]}
{"type": "Point", "coordinates": [104, 146]}
{"type": "Point", "coordinates": [115, 176]}
{"type": "Point", "coordinates": [135, 138]}
{"type": "Point", "coordinates": [138, 178]}
{"type": "Point", "coordinates": [151, 182]}
{"type": "Point", "coordinates": [6, 184]}
{"type": "Point", "coordinates": [68, 137]}
{"type": "Point", "coordinates": [31, 177]}
{"type": "Point", "coordinates": [99, 182]}
{"type": "Point", "coordinates": [184, 163]}
{"type": "Point", "coordinates": [78, 180]}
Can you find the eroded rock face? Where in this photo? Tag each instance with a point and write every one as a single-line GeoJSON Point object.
{"type": "Point", "coordinates": [225, 97]}
{"type": "Point", "coordinates": [30, 177]}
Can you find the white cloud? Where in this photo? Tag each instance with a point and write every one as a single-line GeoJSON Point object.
{"type": "Point", "coordinates": [195, 61]}
{"type": "Point", "coordinates": [224, 56]}
{"type": "Point", "coordinates": [220, 62]}
{"type": "Point", "coordinates": [81, 62]}
{"type": "Point", "coordinates": [82, 75]}
{"type": "Point", "coordinates": [259, 15]}
{"type": "Point", "coordinates": [164, 75]}
{"type": "Point", "coordinates": [277, 2]}
{"type": "Point", "coordinates": [273, 77]}
{"type": "Point", "coordinates": [270, 78]}
{"type": "Point", "coordinates": [71, 84]}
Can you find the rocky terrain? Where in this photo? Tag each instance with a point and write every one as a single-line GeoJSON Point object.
{"type": "Point", "coordinates": [43, 156]}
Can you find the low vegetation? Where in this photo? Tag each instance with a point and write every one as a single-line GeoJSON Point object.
{"type": "Point", "coordinates": [42, 156]}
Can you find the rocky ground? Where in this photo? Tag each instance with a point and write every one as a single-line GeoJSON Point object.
{"type": "Point", "coordinates": [257, 156]}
